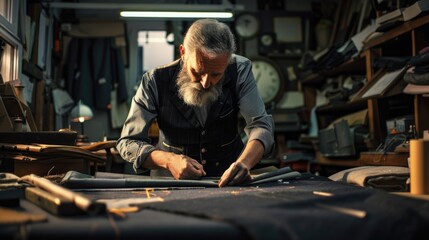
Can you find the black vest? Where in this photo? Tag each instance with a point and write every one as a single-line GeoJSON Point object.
{"type": "Point", "coordinates": [215, 145]}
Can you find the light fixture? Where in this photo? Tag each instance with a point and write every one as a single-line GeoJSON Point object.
{"type": "Point", "coordinates": [81, 113]}
{"type": "Point", "coordinates": [169, 14]}
{"type": "Point", "coordinates": [222, 10]}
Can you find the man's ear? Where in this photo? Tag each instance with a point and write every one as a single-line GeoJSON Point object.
{"type": "Point", "coordinates": [182, 51]}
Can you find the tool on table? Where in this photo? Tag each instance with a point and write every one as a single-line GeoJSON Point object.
{"type": "Point", "coordinates": [83, 203]}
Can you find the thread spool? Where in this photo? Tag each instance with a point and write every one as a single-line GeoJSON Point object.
{"type": "Point", "coordinates": [419, 166]}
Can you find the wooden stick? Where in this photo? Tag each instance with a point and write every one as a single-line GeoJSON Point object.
{"type": "Point", "coordinates": [82, 202]}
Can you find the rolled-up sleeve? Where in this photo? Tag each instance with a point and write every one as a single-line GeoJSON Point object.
{"type": "Point", "coordinates": [134, 144]}
{"type": "Point", "coordinates": [259, 124]}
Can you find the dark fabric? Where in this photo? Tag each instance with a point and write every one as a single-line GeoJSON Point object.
{"type": "Point", "coordinates": [418, 79]}
{"type": "Point", "coordinates": [146, 224]}
{"type": "Point", "coordinates": [387, 178]}
{"type": "Point", "coordinates": [391, 63]}
{"type": "Point", "coordinates": [424, 50]}
{"type": "Point", "coordinates": [384, 27]}
{"type": "Point", "coordinates": [75, 180]}
{"type": "Point", "coordinates": [102, 65]}
{"type": "Point", "coordinates": [83, 87]}
{"type": "Point", "coordinates": [71, 64]}
{"type": "Point", "coordinates": [422, 69]}
{"type": "Point", "coordinates": [182, 133]}
{"type": "Point", "coordinates": [291, 210]}
{"type": "Point", "coordinates": [118, 73]}
{"type": "Point", "coordinates": [420, 59]}
{"type": "Point", "coordinates": [336, 55]}
{"type": "Point", "coordinates": [94, 68]}
{"type": "Point", "coordinates": [216, 158]}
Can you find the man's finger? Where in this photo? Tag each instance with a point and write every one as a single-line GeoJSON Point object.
{"type": "Point", "coordinates": [200, 167]}
{"type": "Point", "coordinates": [227, 175]}
{"type": "Point", "coordinates": [197, 166]}
{"type": "Point", "coordinates": [236, 179]}
{"type": "Point", "coordinates": [240, 177]}
{"type": "Point", "coordinates": [196, 170]}
{"type": "Point", "coordinates": [223, 181]}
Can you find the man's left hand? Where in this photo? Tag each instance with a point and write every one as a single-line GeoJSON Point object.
{"type": "Point", "coordinates": [237, 173]}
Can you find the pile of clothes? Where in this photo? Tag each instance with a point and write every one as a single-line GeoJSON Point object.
{"type": "Point", "coordinates": [417, 75]}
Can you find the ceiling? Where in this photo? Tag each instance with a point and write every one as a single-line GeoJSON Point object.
{"type": "Point", "coordinates": [109, 9]}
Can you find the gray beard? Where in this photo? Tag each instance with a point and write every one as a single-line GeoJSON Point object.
{"type": "Point", "coordinates": [193, 93]}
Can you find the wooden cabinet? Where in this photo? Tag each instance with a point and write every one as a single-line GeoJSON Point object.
{"type": "Point", "coordinates": [404, 40]}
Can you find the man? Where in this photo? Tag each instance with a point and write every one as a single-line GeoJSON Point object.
{"type": "Point", "coordinates": [196, 101]}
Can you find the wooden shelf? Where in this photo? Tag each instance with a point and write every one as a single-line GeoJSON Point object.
{"type": "Point", "coordinates": [393, 33]}
{"type": "Point", "coordinates": [352, 66]}
{"type": "Point", "coordinates": [340, 162]}
{"type": "Point", "coordinates": [384, 159]}
{"type": "Point", "coordinates": [402, 41]}
{"type": "Point", "coordinates": [342, 109]}
{"type": "Point", "coordinates": [365, 159]}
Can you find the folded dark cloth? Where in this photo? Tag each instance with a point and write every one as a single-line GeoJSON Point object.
{"type": "Point", "coordinates": [419, 59]}
{"type": "Point", "coordinates": [391, 63]}
{"type": "Point", "coordinates": [422, 69]}
{"type": "Point", "coordinates": [424, 50]}
{"type": "Point", "coordinates": [75, 180]}
{"type": "Point", "coordinates": [384, 27]}
{"type": "Point", "coordinates": [418, 79]}
{"type": "Point", "coordinates": [388, 178]}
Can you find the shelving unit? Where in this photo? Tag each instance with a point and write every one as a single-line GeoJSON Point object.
{"type": "Point", "coordinates": [414, 35]}
{"type": "Point", "coordinates": [404, 40]}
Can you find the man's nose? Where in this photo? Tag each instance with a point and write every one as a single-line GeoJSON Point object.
{"type": "Point", "coordinates": [205, 82]}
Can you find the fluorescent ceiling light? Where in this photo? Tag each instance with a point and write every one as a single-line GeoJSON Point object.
{"type": "Point", "coordinates": [165, 14]}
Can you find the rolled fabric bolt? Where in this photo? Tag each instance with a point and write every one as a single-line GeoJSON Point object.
{"type": "Point", "coordinates": [419, 166]}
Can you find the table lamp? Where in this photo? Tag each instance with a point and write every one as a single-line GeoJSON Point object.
{"type": "Point", "coordinates": [81, 113]}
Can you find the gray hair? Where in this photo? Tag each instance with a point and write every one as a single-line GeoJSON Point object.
{"type": "Point", "coordinates": [211, 36]}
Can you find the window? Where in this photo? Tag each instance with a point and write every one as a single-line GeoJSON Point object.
{"type": "Point", "coordinates": [156, 51]}
{"type": "Point", "coordinates": [7, 63]}
{"type": "Point", "coordinates": [9, 14]}
{"type": "Point", "coordinates": [10, 46]}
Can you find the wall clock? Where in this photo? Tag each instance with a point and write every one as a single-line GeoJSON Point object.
{"type": "Point", "coordinates": [269, 79]}
{"type": "Point", "coordinates": [267, 43]}
{"type": "Point", "coordinates": [247, 25]}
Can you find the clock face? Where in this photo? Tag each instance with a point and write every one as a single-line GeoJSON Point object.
{"type": "Point", "coordinates": [247, 25]}
{"type": "Point", "coordinates": [267, 40]}
{"type": "Point", "coordinates": [268, 80]}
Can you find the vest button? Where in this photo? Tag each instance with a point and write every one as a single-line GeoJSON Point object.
{"type": "Point", "coordinates": [203, 132]}
{"type": "Point", "coordinates": [203, 150]}
{"type": "Point", "coordinates": [203, 161]}
{"type": "Point", "coordinates": [217, 164]}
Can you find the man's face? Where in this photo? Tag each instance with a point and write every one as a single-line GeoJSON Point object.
{"type": "Point", "coordinates": [199, 78]}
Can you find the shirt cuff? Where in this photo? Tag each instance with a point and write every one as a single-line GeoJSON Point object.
{"type": "Point", "coordinates": [264, 136]}
{"type": "Point", "coordinates": [143, 155]}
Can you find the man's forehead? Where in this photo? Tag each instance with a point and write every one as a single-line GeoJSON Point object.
{"type": "Point", "coordinates": [212, 62]}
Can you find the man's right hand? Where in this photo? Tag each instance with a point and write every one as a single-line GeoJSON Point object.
{"type": "Point", "coordinates": [184, 167]}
